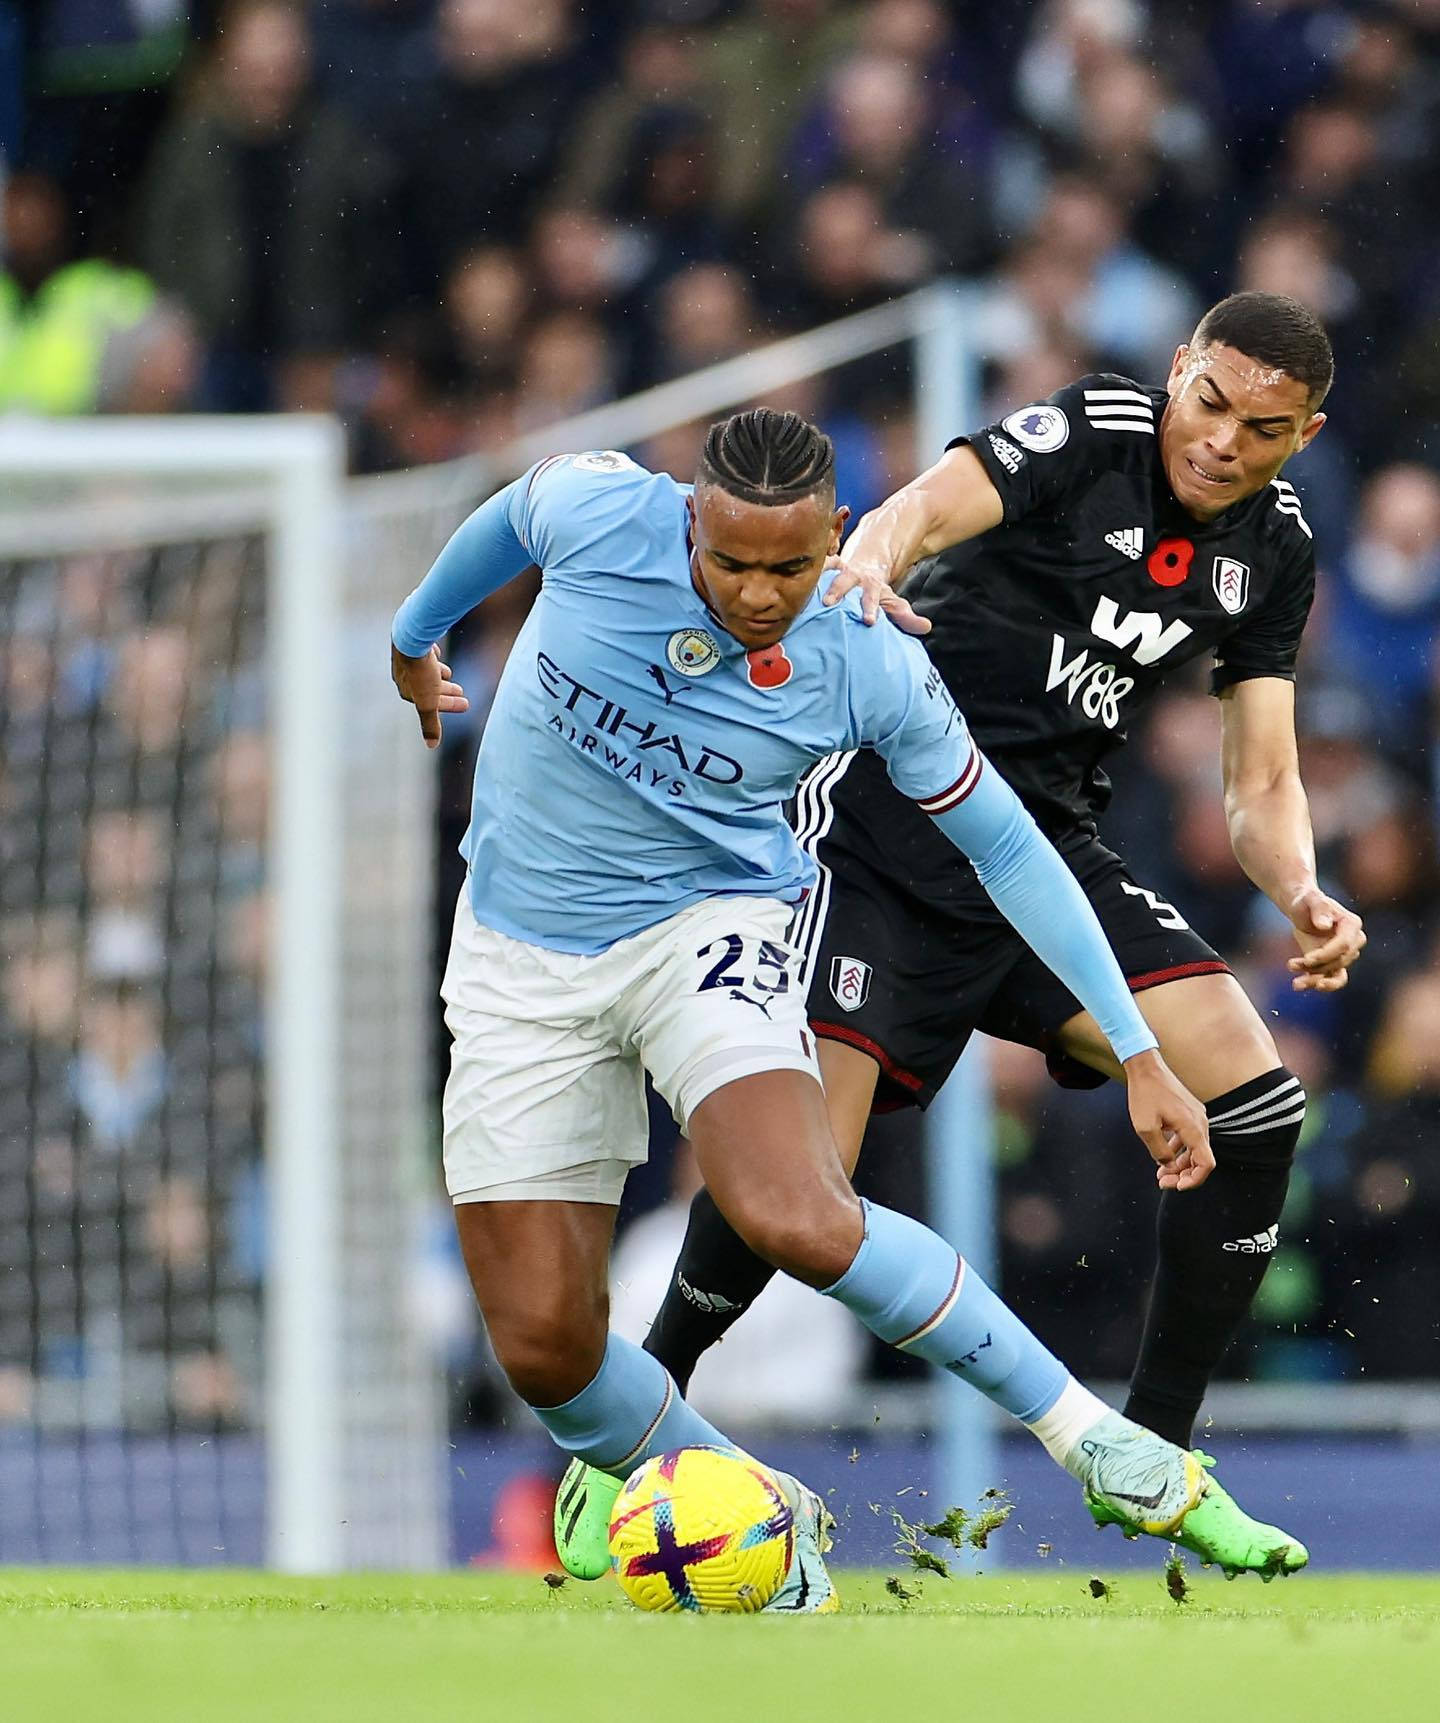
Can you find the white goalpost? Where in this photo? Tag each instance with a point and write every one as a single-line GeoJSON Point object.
{"type": "Point", "coordinates": [226, 567]}
{"type": "Point", "coordinates": [348, 1405]}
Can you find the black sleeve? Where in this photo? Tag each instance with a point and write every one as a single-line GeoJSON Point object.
{"type": "Point", "coordinates": [1041, 455]}
{"type": "Point", "coordinates": [1268, 643]}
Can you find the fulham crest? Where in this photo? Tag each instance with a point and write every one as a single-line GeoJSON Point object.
{"type": "Point", "coordinates": [849, 982]}
{"type": "Point", "coordinates": [1232, 583]}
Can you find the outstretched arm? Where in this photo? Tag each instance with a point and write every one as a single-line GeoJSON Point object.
{"type": "Point", "coordinates": [1269, 818]}
{"type": "Point", "coordinates": [953, 500]}
{"type": "Point", "coordinates": [1042, 899]}
{"type": "Point", "coordinates": [483, 554]}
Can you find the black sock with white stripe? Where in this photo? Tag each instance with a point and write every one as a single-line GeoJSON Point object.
{"type": "Point", "coordinates": [716, 1280]}
{"type": "Point", "coordinates": [1214, 1245]}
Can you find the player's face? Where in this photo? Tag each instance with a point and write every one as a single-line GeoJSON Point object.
{"type": "Point", "coordinates": [756, 565]}
{"type": "Point", "coordinates": [1230, 425]}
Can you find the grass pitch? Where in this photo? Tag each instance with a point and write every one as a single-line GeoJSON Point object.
{"type": "Point", "coordinates": [149, 1647]}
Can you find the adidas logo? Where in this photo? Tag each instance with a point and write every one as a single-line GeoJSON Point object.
{"type": "Point", "coordinates": [1129, 540]}
{"type": "Point", "coordinates": [716, 1303]}
{"type": "Point", "coordinates": [1260, 1245]}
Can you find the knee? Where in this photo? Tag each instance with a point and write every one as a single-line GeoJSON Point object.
{"type": "Point", "coordinates": [1260, 1122]}
{"type": "Point", "coordinates": [814, 1242]}
{"type": "Point", "coordinates": [549, 1349]}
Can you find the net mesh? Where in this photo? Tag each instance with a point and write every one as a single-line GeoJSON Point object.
{"type": "Point", "coordinates": [132, 903]}
{"type": "Point", "coordinates": [135, 765]}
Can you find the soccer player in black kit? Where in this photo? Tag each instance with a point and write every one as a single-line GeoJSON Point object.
{"type": "Point", "coordinates": [1070, 557]}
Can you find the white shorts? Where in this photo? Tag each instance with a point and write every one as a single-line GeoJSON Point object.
{"type": "Point", "coordinates": [546, 1095]}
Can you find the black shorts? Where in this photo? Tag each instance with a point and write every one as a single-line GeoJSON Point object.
{"type": "Point", "coordinates": [906, 955]}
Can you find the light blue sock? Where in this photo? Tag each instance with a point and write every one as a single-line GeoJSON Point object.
{"type": "Point", "coordinates": [909, 1287]}
{"type": "Point", "coordinates": [630, 1412]}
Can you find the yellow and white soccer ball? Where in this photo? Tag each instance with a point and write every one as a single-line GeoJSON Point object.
{"type": "Point", "coordinates": [704, 1529]}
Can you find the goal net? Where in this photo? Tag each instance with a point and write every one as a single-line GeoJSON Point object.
{"type": "Point", "coordinates": [214, 902]}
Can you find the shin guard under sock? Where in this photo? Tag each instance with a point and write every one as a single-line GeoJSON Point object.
{"type": "Point", "coordinates": [1213, 1247]}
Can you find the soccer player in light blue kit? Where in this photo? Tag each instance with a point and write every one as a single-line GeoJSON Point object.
{"type": "Point", "coordinates": [631, 879]}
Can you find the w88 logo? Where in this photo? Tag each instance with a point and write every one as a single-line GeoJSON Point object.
{"type": "Point", "coordinates": [1095, 685]}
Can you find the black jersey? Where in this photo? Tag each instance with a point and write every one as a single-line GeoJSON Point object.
{"type": "Point", "coordinates": [1054, 628]}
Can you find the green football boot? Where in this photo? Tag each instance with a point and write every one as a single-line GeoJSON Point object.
{"type": "Point", "coordinates": [582, 1520]}
{"type": "Point", "coordinates": [1148, 1487]}
{"type": "Point", "coordinates": [1219, 1530]}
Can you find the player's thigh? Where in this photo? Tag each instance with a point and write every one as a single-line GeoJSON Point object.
{"type": "Point", "coordinates": [721, 1005]}
{"type": "Point", "coordinates": [764, 1148]}
{"type": "Point", "coordinates": [1208, 1030]}
{"type": "Point", "coordinates": [541, 1090]}
{"type": "Point", "coordinates": [715, 996]}
{"type": "Point", "coordinates": [1210, 1034]}
{"type": "Point", "coordinates": [849, 1078]}
{"type": "Point", "coordinates": [895, 978]}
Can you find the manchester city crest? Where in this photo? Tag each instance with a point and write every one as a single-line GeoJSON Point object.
{"type": "Point", "coordinates": [693, 652]}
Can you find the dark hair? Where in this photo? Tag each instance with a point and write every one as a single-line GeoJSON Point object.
{"type": "Point", "coordinates": [1276, 330]}
{"type": "Point", "coordinates": [762, 456]}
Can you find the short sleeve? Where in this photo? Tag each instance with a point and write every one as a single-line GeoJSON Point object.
{"type": "Point", "coordinates": [902, 709]}
{"type": "Point", "coordinates": [1269, 642]}
{"type": "Point", "coordinates": [1039, 456]}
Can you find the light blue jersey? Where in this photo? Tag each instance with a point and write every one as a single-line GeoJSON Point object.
{"type": "Point", "coordinates": [638, 758]}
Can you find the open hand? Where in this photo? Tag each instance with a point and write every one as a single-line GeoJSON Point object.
{"type": "Point", "coordinates": [1330, 938]}
{"type": "Point", "coordinates": [876, 596]}
{"type": "Point", "coordinates": [426, 683]}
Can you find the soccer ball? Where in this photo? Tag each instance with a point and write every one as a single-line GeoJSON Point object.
{"type": "Point", "coordinates": [706, 1529]}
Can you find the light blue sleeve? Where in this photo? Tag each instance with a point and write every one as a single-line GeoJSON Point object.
{"type": "Point", "coordinates": [1041, 898]}
{"type": "Point", "coordinates": [484, 552]}
{"type": "Point", "coordinates": [902, 709]}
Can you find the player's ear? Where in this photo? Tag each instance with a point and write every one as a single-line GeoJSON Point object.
{"type": "Point", "coordinates": [1177, 368]}
{"type": "Point", "coordinates": [1311, 429]}
{"type": "Point", "coordinates": [837, 526]}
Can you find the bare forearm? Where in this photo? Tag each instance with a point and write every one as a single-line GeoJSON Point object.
{"type": "Point", "coordinates": [951, 501]}
{"type": "Point", "coordinates": [892, 538]}
{"type": "Point", "coordinates": [1271, 835]}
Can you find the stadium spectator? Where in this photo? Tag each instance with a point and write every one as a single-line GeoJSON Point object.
{"type": "Point", "coordinates": [486, 298]}
{"type": "Point", "coordinates": [844, 256]}
{"type": "Point", "coordinates": [62, 319]}
{"type": "Point", "coordinates": [566, 365]}
{"type": "Point", "coordinates": [478, 139]}
{"type": "Point", "coordinates": [660, 72]}
{"type": "Point", "coordinates": [705, 314]}
{"type": "Point", "coordinates": [882, 126]}
{"type": "Point", "coordinates": [263, 216]}
{"type": "Point", "coordinates": [118, 1077]}
{"type": "Point", "coordinates": [1076, 278]}
{"type": "Point", "coordinates": [760, 72]}
{"type": "Point", "coordinates": [1332, 165]}
{"type": "Point", "coordinates": [1385, 608]}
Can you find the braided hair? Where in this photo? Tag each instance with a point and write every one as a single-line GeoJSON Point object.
{"type": "Point", "coordinates": [763, 456]}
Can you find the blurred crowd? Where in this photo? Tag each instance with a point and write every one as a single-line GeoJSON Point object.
{"type": "Point", "coordinates": [454, 221]}
{"type": "Point", "coordinates": [132, 919]}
